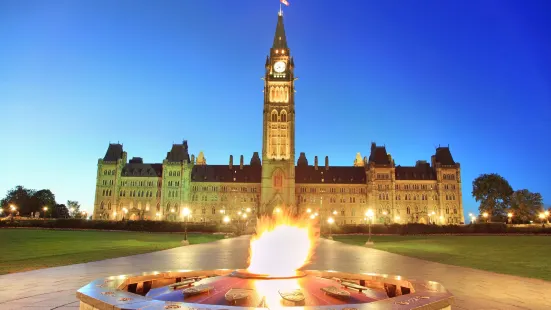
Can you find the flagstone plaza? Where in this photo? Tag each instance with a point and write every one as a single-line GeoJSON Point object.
{"type": "Point", "coordinates": [55, 288]}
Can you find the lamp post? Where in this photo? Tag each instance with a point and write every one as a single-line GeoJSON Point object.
{"type": "Point", "coordinates": [485, 215]}
{"type": "Point", "coordinates": [397, 219]}
{"type": "Point", "coordinates": [431, 217]}
{"type": "Point", "coordinates": [226, 221]}
{"type": "Point", "coordinates": [125, 211]}
{"type": "Point", "coordinates": [45, 210]}
{"type": "Point", "coordinates": [510, 217]}
{"type": "Point", "coordinates": [185, 213]}
{"type": "Point", "coordinates": [471, 217]}
{"type": "Point", "coordinates": [369, 215]}
{"type": "Point", "coordinates": [542, 217]}
{"type": "Point", "coordinates": [330, 221]}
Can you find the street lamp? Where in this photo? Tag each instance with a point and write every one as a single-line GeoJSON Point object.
{"type": "Point", "coordinates": [334, 212]}
{"type": "Point", "coordinates": [510, 217]}
{"type": "Point", "coordinates": [248, 210]}
{"type": "Point", "coordinates": [45, 209]}
{"type": "Point", "coordinates": [431, 220]}
{"type": "Point", "coordinates": [226, 221]}
{"type": "Point", "coordinates": [185, 213]}
{"type": "Point", "coordinates": [369, 215]}
{"type": "Point", "coordinates": [541, 216]}
{"type": "Point", "coordinates": [330, 221]}
{"type": "Point", "coordinates": [485, 215]}
{"type": "Point", "coordinates": [308, 210]}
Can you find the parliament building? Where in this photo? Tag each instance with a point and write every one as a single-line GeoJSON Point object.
{"type": "Point", "coordinates": [429, 192]}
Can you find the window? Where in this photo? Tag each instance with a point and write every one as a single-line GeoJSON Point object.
{"type": "Point", "coordinates": [213, 211]}
{"type": "Point", "coordinates": [274, 116]}
{"type": "Point", "coordinates": [283, 116]}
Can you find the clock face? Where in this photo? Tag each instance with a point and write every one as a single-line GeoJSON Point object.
{"type": "Point", "coordinates": [279, 66]}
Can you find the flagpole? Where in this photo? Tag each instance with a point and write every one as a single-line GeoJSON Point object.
{"type": "Point", "coordinates": [280, 9]}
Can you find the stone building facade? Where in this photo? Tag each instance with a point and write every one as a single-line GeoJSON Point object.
{"type": "Point", "coordinates": [425, 193]}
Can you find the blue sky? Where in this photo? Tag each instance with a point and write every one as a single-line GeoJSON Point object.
{"type": "Point", "coordinates": [76, 75]}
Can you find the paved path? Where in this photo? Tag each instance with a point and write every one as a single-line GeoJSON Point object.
{"type": "Point", "coordinates": [54, 288]}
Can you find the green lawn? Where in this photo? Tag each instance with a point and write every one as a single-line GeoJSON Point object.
{"type": "Point", "coordinates": [526, 256]}
{"type": "Point", "coordinates": [27, 249]}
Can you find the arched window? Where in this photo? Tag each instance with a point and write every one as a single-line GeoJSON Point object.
{"type": "Point", "coordinates": [109, 206]}
{"type": "Point", "coordinates": [283, 116]}
{"type": "Point", "coordinates": [168, 206]}
{"type": "Point", "coordinates": [158, 207]}
{"type": "Point", "coordinates": [408, 211]}
{"type": "Point", "coordinates": [101, 206]}
{"type": "Point", "coordinates": [274, 116]}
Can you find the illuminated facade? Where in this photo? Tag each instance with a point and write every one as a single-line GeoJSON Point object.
{"type": "Point", "coordinates": [424, 193]}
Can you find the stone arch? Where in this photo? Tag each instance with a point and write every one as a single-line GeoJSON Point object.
{"type": "Point", "coordinates": [274, 116]}
{"type": "Point", "coordinates": [277, 178]}
{"type": "Point", "coordinates": [283, 116]}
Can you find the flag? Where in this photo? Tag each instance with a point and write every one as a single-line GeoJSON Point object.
{"type": "Point", "coordinates": [285, 2]}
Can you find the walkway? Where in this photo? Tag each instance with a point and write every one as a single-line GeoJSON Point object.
{"type": "Point", "coordinates": [54, 288]}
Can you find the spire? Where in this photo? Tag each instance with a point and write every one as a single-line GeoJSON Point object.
{"type": "Point", "coordinates": [280, 40]}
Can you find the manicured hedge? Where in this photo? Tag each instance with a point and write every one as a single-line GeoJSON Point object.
{"type": "Point", "coordinates": [420, 229]}
{"type": "Point", "coordinates": [151, 226]}
{"type": "Point", "coordinates": [393, 229]}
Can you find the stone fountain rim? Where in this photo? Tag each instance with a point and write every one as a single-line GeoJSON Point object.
{"type": "Point", "coordinates": [108, 293]}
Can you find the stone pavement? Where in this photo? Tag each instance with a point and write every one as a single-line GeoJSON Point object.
{"type": "Point", "coordinates": [54, 288]}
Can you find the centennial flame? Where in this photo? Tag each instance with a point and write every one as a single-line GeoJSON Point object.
{"type": "Point", "coordinates": [282, 244]}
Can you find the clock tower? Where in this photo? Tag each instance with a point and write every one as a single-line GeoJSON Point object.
{"type": "Point", "coordinates": [278, 138]}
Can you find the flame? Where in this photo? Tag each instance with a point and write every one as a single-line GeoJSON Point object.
{"type": "Point", "coordinates": [282, 244]}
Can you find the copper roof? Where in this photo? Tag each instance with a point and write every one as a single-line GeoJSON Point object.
{"type": "Point", "coordinates": [114, 152]}
{"type": "Point", "coordinates": [444, 156]}
{"type": "Point", "coordinates": [419, 172]}
{"type": "Point", "coordinates": [280, 39]}
{"type": "Point", "coordinates": [137, 169]}
{"type": "Point", "coordinates": [333, 175]}
{"type": "Point", "coordinates": [223, 173]}
{"type": "Point", "coordinates": [378, 155]}
{"type": "Point", "coordinates": [178, 153]}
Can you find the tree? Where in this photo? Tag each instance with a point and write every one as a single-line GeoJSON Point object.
{"type": "Point", "coordinates": [493, 192]}
{"type": "Point", "coordinates": [74, 209]}
{"type": "Point", "coordinates": [43, 198]}
{"type": "Point", "coordinates": [21, 198]}
{"type": "Point", "coordinates": [525, 205]}
{"type": "Point", "coordinates": [60, 211]}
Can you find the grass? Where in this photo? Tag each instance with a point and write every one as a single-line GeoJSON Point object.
{"type": "Point", "coordinates": [525, 256]}
{"type": "Point", "coordinates": [28, 249]}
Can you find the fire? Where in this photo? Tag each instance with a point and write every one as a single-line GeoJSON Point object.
{"type": "Point", "coordinates": [282, 245]}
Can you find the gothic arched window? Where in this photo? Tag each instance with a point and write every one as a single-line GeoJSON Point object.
{"type": "Point", "coordinates": [274, 116]}
{"type": "Point", "coordinates": [283, 116]}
